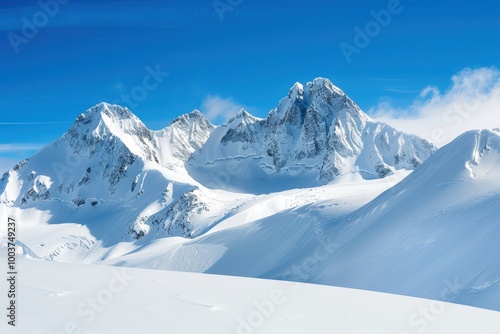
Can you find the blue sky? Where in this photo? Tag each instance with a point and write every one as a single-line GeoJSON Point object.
{"type": "Point", "coordinates": [249, 55]}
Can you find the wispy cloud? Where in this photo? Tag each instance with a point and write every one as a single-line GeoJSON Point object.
{"type": "Point", "coordinates": [16, 148]}
{"type": "Point", "coordinates": [388, 79]}
{"type": "Point", "coordinates": [400, 91]}
{"type": "Point", "coordinates": [218, 109]}
{"type": "Point", "coordinates": [32, 123]}
{"type": "Point", "coordinates": [472, 101]}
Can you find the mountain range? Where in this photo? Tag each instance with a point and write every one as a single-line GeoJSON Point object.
{"type": "Point", "coordinates": [315, 192]}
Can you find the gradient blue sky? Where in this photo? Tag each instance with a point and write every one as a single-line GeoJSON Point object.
{"type": "Point", "coordinates": [93, 51]}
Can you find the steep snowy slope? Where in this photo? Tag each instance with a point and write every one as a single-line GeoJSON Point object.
{"type": "Point", "coordinates": [104, 155]}
{"type": "Point", "coordinates": [438, 225]}
{"type": "Point", "coordinates": [68, 298]}
{"type": "Point", "coordinates": [110, 180]}
{"type": "Point", "coordinates": [437, 229]}
{"type": "Point", "coordinates": [263, 236]}
{"type": "Point", "coordinates": [434, 235]}
{"type": "Point", "coordinates": [185, 135]}
{"type": "Point", "coordinates": [316, 134]}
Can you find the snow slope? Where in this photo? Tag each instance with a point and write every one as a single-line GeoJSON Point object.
{"type": "Point", "coordinates": [269, 232]}
{"type": "Point", "coordinates": [438, 225]}
{"type": "Point", "coordinates": [68, 298]}
{"type": "Point", "coordinates": [435, 231]}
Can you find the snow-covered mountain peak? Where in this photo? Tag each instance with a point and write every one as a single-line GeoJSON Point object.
{"type": "Point", "coordinates": [108, 113]}
{"type": "Point", "coordinates": [320, 96]}
{"type": "Point", "coordinates": [332, 102]}
{"type": "Point", "coordinates": [194, 117]}
{"type": "Point", "coordinates": [105, 118]}
{"type": "Point", "coordinates": [324, 83]}
{"type": "Point", "coordinates": [186, 134]}
{"type": "Point", "coordinates": [242, 117]}
{"type": "Point", "coordinates": [196, 113]}
{"type": "Point", "coordinates": [317, 132]}
{"type": "Point", "coordinates": [108, 123]}
{"type": "Point", "coordinates": [297, 91]}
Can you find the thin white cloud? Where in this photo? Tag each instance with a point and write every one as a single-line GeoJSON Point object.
{"type": "Point", "coordinates": [400, 91]}
{"type": "Point", "coordinates": [16, 148]}
{"type": "Point", "coordinates": [471, 102]}
{"type": "Point", "coordinates": [32, 123]}
{"type": "Point", "coordinates": [218, 109]}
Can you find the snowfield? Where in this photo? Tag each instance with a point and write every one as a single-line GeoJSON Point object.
{"type": "Point", "coordinates": [60, 298]}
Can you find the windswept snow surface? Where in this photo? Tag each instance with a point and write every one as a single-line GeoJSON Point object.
{"type": "Point", "coordinates": [439, 225]}
{"type": "Point", "coordinates": [433, 235]}
{"type": "Point", "coordinates": [70, 298]}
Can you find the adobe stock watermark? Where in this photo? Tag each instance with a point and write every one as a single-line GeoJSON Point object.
{"type": "Point", "coordinates": [97, 303]}
{"type": "Point", "coordinates": [363, 37]}
{"type": "Point", "coordinates": [422, 319]}
{"type": "Point", "coordinates": [223, 6]}
{"type": "Point", "coordinates": [454, 118]}
{"type": "Point", "coordinates": [263, 310]}
{"type": "Point", "coordinates": [303, 270]}
{"type": "Point", "coordinates": [152, 80]}
{"type": "Point", "coordinates": [63, 169]}
{"type": "Point", "coordinates": [30, 27]}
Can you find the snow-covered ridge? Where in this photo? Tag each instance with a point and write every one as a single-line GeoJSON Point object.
{"type": "Point", "coordinates": [109, 158]}
{"type": "Point", "coordinates": [316, 132]}
{"type": "Point", "coordinates": [436, 230]}
{"type": "Point", "coordinates": [170, 146]}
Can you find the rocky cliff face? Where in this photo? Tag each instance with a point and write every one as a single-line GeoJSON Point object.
{"type": "Point", "coordinates": [315, 127]}
{"type": "Point", "coordinates": [184, 136]}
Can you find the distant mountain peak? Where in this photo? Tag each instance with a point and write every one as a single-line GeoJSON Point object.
{"type": "Point", "coordinates": [243, 113]}
{"type": "Point", "coordinates": [194, 117]}
{"type": "Point", "coordinates": [196, 113]}
{"type": "Point", "coordinates": [104, 119]}
{"type": "Point", "coordinates": [297, 91]}
{"type": "Point", "coordinates": [324, 83]}
{"type": "Point", "coordinates": [315, 130]}
{"type": "Point", "coordinates": [318, 85]}
{"type": "Point", "coordinates": [319, 94]}
{"type": "Point", "coordinates": [112, 111]}
{"type": "Point", "coordinates": [243, 117]}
